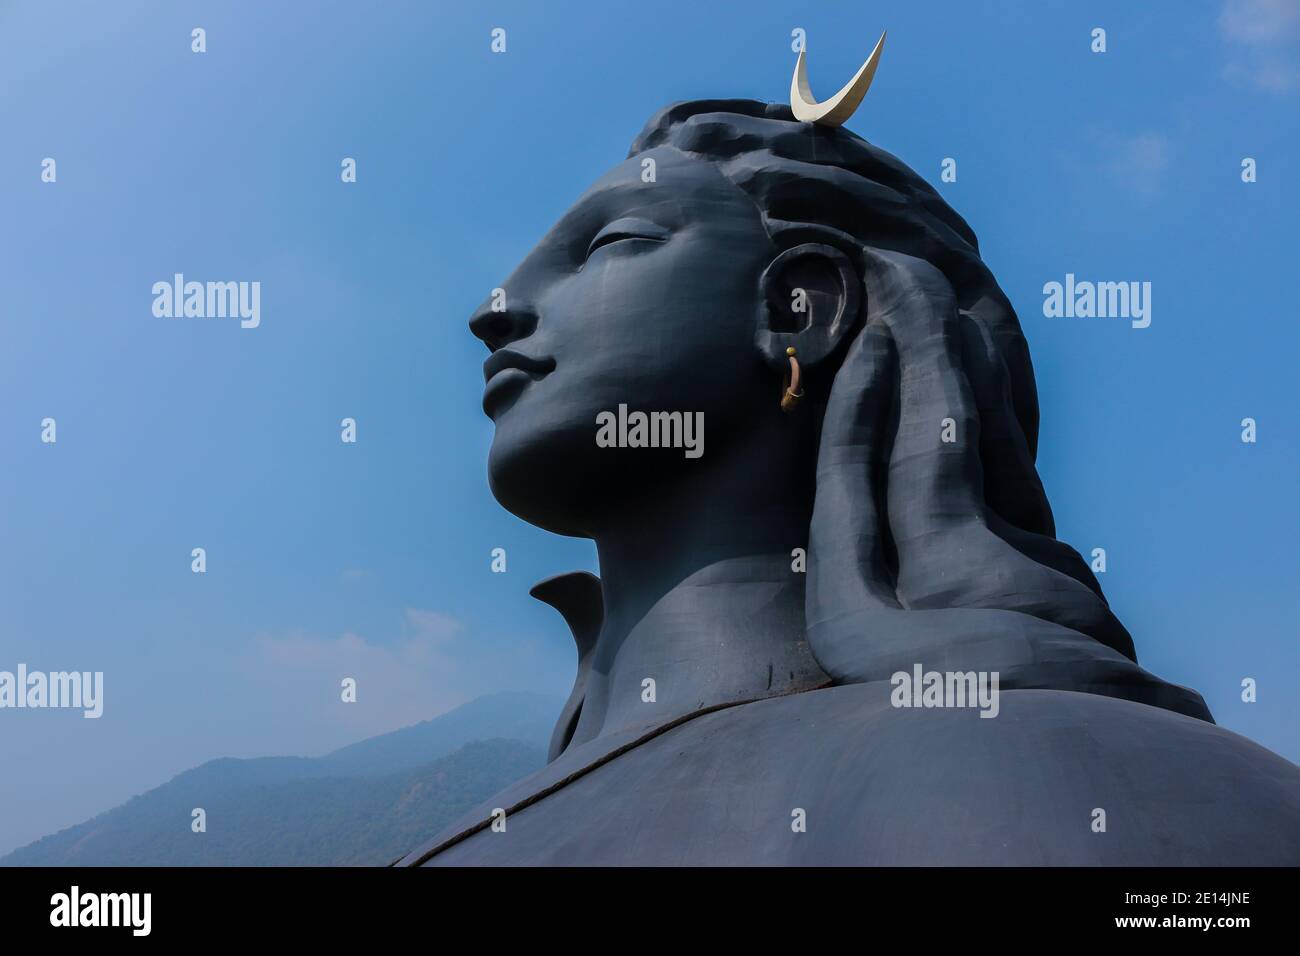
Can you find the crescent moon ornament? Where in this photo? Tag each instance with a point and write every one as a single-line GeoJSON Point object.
{"type": "Point", "coordinates": [839, 107]}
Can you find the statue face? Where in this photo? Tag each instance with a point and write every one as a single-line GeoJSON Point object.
{"type": "Point", "coordinates": [644, 294]}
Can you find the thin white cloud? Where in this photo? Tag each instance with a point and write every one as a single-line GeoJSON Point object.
{"type": "Point", "coordinates": [1139, 161]}
{"type": "Point", "coordinates": [1263, 43]}
{"type": "Point", "coordinates": [1259, 21]}
{"type": "Point", "coordinates": [398, 683]}
{"type": "Point", "coordinates": [431, 625]}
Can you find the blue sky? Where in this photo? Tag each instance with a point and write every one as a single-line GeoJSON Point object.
{"type": "Point", "coordinates": [372, 560]}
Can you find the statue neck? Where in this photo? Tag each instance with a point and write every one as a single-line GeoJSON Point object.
{"type": "Point", "coordinates": [704, 602]}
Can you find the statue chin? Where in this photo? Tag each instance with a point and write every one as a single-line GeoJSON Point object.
{"type": "Point", "coordinates": [553, 474]}
{"type": "Point", "coordinates": [543, 478]}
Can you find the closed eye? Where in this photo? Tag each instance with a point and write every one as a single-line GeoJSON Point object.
{"type": "Point", "coordinates": [627, 228]}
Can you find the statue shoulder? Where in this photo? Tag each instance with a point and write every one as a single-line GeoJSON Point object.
{"type": "Point", "coordinates": [842, 776]}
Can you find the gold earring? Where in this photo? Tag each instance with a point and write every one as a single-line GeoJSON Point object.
{"type": "Point", "coordinates": [791, 394]}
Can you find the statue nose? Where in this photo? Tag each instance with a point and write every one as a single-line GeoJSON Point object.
{"type": "Point", "coordinates": [498, 329]}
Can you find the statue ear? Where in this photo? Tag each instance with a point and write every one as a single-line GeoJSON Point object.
{"type": "Point", "coordinates": [811, 296]}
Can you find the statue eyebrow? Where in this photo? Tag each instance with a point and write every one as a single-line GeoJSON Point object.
{"type": "Point", "coordinates": [597, 211]}
{"type": "Point", "coordinates": [612, 202]}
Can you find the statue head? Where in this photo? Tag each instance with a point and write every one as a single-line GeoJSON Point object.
{"type": "Point", "coordinates": [679, 281]}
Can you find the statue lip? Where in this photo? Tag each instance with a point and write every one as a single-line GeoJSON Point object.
{"type": "Point", "coordinates": [507, 373]}
{"type": "Point", "coordinates": [503, 359]}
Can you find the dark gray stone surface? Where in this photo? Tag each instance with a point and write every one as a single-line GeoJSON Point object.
{"type": "Point", "coordinates": [884, 786]}
{"type": "Point", "coordinates": [670, 286]}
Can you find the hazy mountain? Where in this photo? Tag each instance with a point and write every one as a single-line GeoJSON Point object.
{"type": "Point", "coordinates": [367, 803]}
{"type": "Point", "coordinates": [511, 716]}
